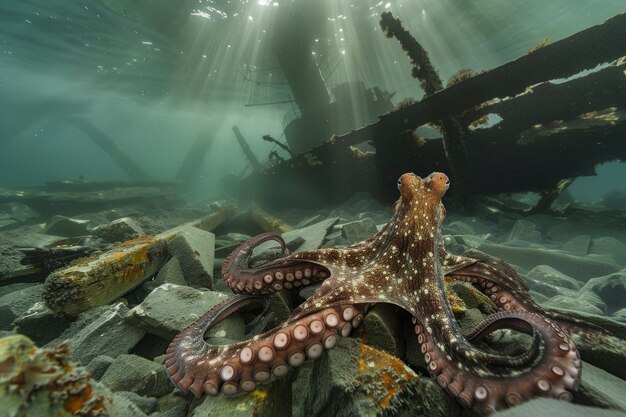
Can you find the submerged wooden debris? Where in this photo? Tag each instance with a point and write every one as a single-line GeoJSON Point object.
{"type": "Point", "coordinates": [102, 278]}
{"type": "Point", "coordinates": [547, 120]}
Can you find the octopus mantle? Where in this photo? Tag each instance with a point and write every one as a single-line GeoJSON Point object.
{"type": "Point", "coordinates": [404, 264]}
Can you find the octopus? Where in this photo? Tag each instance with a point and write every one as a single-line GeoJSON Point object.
{"type": "Point", "coordinates": [405, 264]}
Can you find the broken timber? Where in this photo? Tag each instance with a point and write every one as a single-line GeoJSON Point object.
{"type": "Point", "coordinates": [99, 279]}
{"type": "Point", "coordinates": [267, 222]}
{"type": "Point", "coordinates": [519, 154]}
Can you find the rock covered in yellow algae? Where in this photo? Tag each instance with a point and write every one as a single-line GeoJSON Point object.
{"type": "Point", "coordinates": [44, 382]}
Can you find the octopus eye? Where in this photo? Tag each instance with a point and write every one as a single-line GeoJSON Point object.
{"type": "Point", "coordinates": [399, 183]}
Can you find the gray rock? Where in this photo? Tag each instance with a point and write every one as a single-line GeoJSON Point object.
{"type": "Point", "coordinates": [546, 291]}
{"type": "Point", "coordinates": [620, 314]}
{"type": "Point", "coordinates": [18, 212]}
{"type": "Point", "coordinates": [101, 331]}
{"type": "Point", "coordinates": [604, 351]}
{"type": "Point", "coordinates": [195, 250]}
{"type": "Point", "coordinates": [548, 275]}
{"type": "Point", "coordinates": [578, 245]}
{"type": "Point", "coordinates": [472, 241]}
{"type": "Point", "coordinates": [170, 273]}
{"type": "Point", "coordinates": [555, 408]}
{"type": "Point", "coordinates": [65, 226]}
{"type": "Point", "coordinates": [170, 308]}
{"type": "Point", "coordinates": [179, 410]}
{"type": "Point", "coordinates": [41, 324]}
{"type": "Point", "coordinates": [609, 246]}
{"type": "Point", "coordinates": [600, 388]}
{"type": "Point", "coordinates": [7, 289]}
{"type": "Point", "coordinates": [122, 406]}
{"type": "Point", "coordinates": [98, 366]}
{"type": "Point", "coordinates": [119, 230]}
{"type": "Point", "coordinates": [353, 380]}
{"type": "Point", "coordinates": [136, 374]}
{"type": "Point", "coordinates": [145, 404]}
{"type": "Point", "coordinates": [171, 400]}
{"type": "Point", "coordinates": [7, 223]}
{"type": "Point", "coordinates": [309, 221]}
{"type": "Point", "coordinates": [271, 401]}
{"type": "Point", "coordinates": [459, 228]}
{"type": "Point", "coordinates": [577, 267]}
{"type": "Point", "coordinates": [313, 235]}
{"type": "Point", "coordinates": [337, 242]}
{"type": "Point", "coordinates": [382, 329]}
{"type": "Point", "coordinates": [360, 230]}
{"type": "Point", "coordinates": [526, 231]}
{"type": "Point", "coordinates": [582, 301]}
{"type": "Point", "coordinates": [610, 288]}
{"type": "Point", "coordinates": [17, 303]}
{"type": "Point", "coordinates": [227, 243]}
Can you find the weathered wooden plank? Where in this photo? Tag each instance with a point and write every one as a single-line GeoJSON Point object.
{"type": "Point", "coordinates": [267, 222]}
{"type": "Point", "coordinates": [99, 279]}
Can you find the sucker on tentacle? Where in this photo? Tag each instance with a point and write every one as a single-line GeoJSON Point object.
{"type": "Point", "coordinates": [404, 264]}
{"type": "Point", "coordinates": [272, 276]}
{"type": "Point", "coordinates": [201, 368]}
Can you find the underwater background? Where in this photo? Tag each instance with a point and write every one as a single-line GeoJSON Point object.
{"type": "Point", "coordinates": [144, 145]}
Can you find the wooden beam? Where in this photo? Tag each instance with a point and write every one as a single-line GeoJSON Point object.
{"type": "Point", "coordinates": [583, 50]}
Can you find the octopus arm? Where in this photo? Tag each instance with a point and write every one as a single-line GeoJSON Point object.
{"type": "Point", "coordinates": [286, 272]}
{"type": "Point", "coordinates": [508, 291]}
{"type": "Point", "coordinates": [193, 365]}
{"type": "Point", "coordinates": [550, 367]}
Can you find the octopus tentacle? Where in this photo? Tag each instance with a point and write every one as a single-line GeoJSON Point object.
{"type": "Point", "coordinates": [285, 272]}
{"type": "Point", "coordinates": [507, 290]}
{"type": "Point", "coordinates": [181, 354]}
{"type": "Point", "coordinates": [551, 369]}
{"type": "Point", "coordinates": [201, 368]}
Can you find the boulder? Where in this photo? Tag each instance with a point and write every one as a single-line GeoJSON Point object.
{"type": "Point", "coordinates": [195, 250]}
{"type": "Point", "coordinates": [526, 231]}
{"type": "Point", "coordinates": [610, 288]}
{"type": "Point", "coordinates": [313, 236]}
{"type": "Point", "coordinates": [609, 246]}
{"type": "Point", "coordinates": [119, 230]}
{"type": "Point", "coordinates": [354, 379]}
{"type": "Point", "coordinates": [41, 324]}
{"type": "Point", "coordinates": [145, 404]}
{"type": "Point", "coordinates": [555, 408]}
{"type": "Point", "coordinates": [136, 374]}
{"type": "Point", "coordinates": [578, 245]}
{"type": "Point", "coordinates": [101, 331]}
{"type": "Point", "coordinates": [266, 401]}
{"type": "Point", "coordinates": [98, 366]}
{"type": "Point", "coordinates": [357, 231]}
{"type": "Point", "coordinates": [65, 226]}
{"type": "Point", "coordinates": [170, 308]}
{"type": "Point", "coordinates": [600, 388]}
{"type": "Point", "coordinates": [582, 301]}
{"type": "Point", "coordinates": [580, 268]}
{"type": "Point", "coordinates": [382, 329]}
{"type": "Point", "coordinates": [17, 303]}
{"type": "Point", "coordinates": [548, 275]}
{"type": "Point", "coordinates": [170, 273]}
